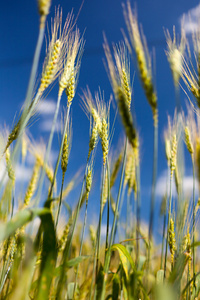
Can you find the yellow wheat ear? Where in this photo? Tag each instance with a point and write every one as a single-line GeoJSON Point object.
{"type": "Point", "coordinates": [88, 181]}
{"type": "Point", "coordinates": [44, 7]}
{"type": "Point", "coordinates": [56, 51]}
{"type": "Point", "coordinates": [172, 240]}
{"type": "Point", "coordinates": [66, 150]}
{"type": "Point", "coordinates": [143, 58]}
{"type": "Point", "coordinates": [175, 53]}
{"type": "Point", "coordinates": [119, 76]}
{"type": "Point", "coordinates": [11, 173]}
{"type": "Point", "coordinates": [69, 76]}
{"type": "Point", "coordinates": [32, 183]}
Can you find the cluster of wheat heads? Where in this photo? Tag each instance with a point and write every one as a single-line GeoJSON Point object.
{"type": "Point", "coordinates": [64, 256]}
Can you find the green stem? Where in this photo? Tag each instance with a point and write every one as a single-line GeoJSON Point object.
{"type": "Point", "coordinates": [81, 246]}
{"type": "Point", "coordinates": [60, 151]}
{"type": "Point", "coordinates": [193, 223]}
{"type": "Point", "coordinates": [93, 272]}
{"type": "Point", "coordinates": [138, 201]}
{"type": "Point", "coordinates": [48, 149]}
{"type": "Point", "coordinates": [164, 222]}
{"type": "Point", "coordinates": [168, 221]}
{"type": "Point", "coordinates": [60, 201]}
{"type": "Point", "coordinates": [69, 240]}
{"type": "Point", "coordinates": [100, 221]}
{"type": "Point", "coordinates": [29, 93]}
{"type": "Point", "coordinates": [120, 208]}
{"type": "Point", "coordinates": [108, 254]}
{"type": "Point", "coordinates": [26, 114]}
{"type": "Point", "coordinates": [152, 208]}
{"type": "Point", "coordinates": [128, 209]}
{"type": "Point", "coordinates": [108, 204]}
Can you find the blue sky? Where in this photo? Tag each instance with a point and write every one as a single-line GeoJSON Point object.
{"type": "Point", "coordinates": [18, 35]}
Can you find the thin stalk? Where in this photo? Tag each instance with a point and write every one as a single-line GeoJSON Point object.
{"type": "Point", "coordinates": [100, 221]}
{"type": "Point", "coordinates": [93, 271]}
{"type": "Point", "coordinates": [120, 208]}
{"type": "Point", "coordinates": [163, 239]}
{"type": "Point", "coordinates": [177, 97]}
{"type": "Point", "coordinates": [108, 205]}
{"type": "Point", "coordinates": [164, 223]}
{"type": "Point", "coordinates": [34, 68]}
{"type": "Point", "coordinates": [169, 216]}
{"type": "Point", "coordinates": [60, 151]}
{"type": "Point", "coordinates": [152, 208]}
{"type": "Point", "coordinates": [13, 201]}
{"type": "Point", "coordinates": [69, 240]}
{"type": "Point", "coordinates": [26, 115]}
{"type": "Point", "coordinates": [108, 254]}
{"type": "Point", "coordinates": [128, 209]}
{"type": "Point", "coordinates": [60, 200]}
{"type": "Point", "coordinates": [189, 289]}
{"type": "Point", "coordinates": [138, 203]}
{"type": "Point", "coordinates": [180, 166]}
{"type": "Point", "coordinates": [81, 246]}
{"type": "Point", "coordinates": [48, 149]}
{"type": "Point", "coordinates": [193, 223]}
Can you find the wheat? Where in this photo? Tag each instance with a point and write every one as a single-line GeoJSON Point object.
{"type": "Point", "coordinates": [175, 54]}
{"type": "Point", "coordinates": [65, 153]}
{"type": "Point", "coordinates": [188, 140]}
{"type": "Point", "coordinates": [69, 76]}
{"type": "Point", "coordinates": [11, 173]}
{"type": "Point", "coordinates": [88, 181]}
{"type": "Point", "coordinates": [143, 57]}
{"type": "Point", "coordinates": [56, 52]}
{"type": "Point", "coordinates": [43, 6]}
{"type": "Point", "coordinates": [32, 183]}
{"type": "Point", "coordinates": [172, 240]}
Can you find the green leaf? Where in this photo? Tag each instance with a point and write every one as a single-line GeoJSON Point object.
{"type": "Point", "coordinates": [115, 287]}
{"type": "Point", "coordinates": [48, 257]}
{"type": "Point", "coordinates": [141, 263]}
{"type": "Point", "coordinates": [99, 282]}
{"type": "Point", "coordinates": [124, 257]}
{"type": "Point", "coordinates": [70, 290]}
{"type": "Point", "coordinates": [124, 286]}
{"type": "Point", "coordinates": [196, 244]}
{"type": "Point", "coordinates": [160, 277]}
{"type": "Point", "coordinates": [75, 261]}
{"type": "Point", "coordinates": [19, 220]}
{"type": "Point", "coordinates": [179, 267]}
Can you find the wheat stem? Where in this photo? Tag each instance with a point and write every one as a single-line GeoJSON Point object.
{"type": "Point", "coordinates": [60, 200]}
{"type": "Point", "coordinates": [100, 220]}
{"type": "Point", "coordinates": [168, 220]}
{"type": "Point", "coordinates": [153, 191]}
{"type": "Point", "coordinates": [108, 254]}
{"type": "Point", "coordinates": [29, 93]}
{"type": "Point", "coordinates": [193, 221]}
{"type": "Point", "coordinates": [108, 204]}
{"type": "Point", "coordinates": [60, 151]}
{"type": "Point", "coordinates": [48, 150]}
{"type": "Point", "coordinates": [138, 203]}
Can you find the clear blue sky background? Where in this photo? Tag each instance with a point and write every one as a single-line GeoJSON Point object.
{"type": "Point", "coordinates": [18, 36]}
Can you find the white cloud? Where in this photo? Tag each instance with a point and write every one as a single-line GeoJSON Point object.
{"type": "Point", "coordinates": [191, 19]}
{"type": "Point", "coordinates": [161, 186]}
{"type": "Point", "coordinates": [47, 107]}
{"type": "Point", "coordinates": [104, 230]}
{"type": "Point", "coordinates": [46, 125]}
{"type": "Point", "coordinates": [23, 173]}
